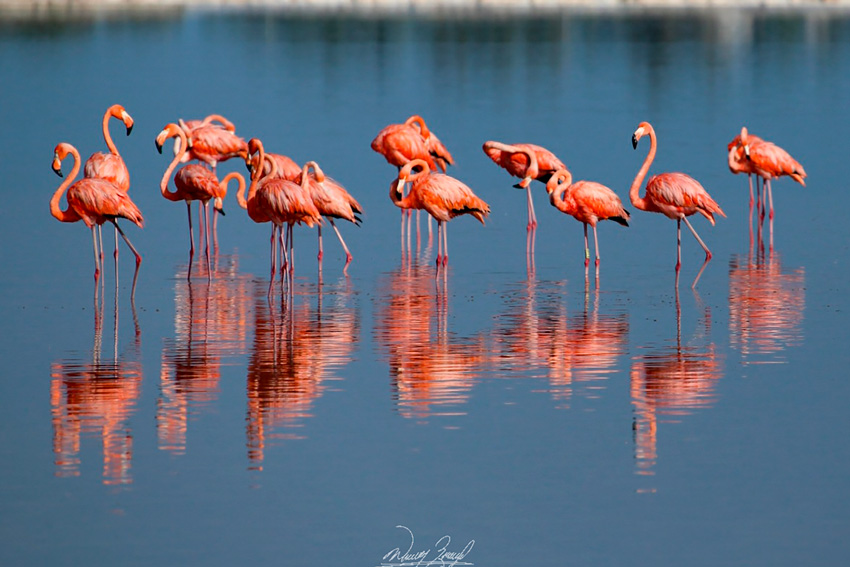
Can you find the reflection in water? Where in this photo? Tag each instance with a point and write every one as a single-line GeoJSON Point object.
{"type": "Point", "coordinates": [96, 398]}
{"type": "Point", "coordinates": [210, 321]}
{"type": "Point", "coordinates": [297, 348]}
{"type": "Point", "coordinates": [431, 371]}
{"type": "Point", "coordinates": [765, 307]}
{"type": "Point", "coordinates": [671, 381]}
{"type": "Point", "coordinates": [535, 337]}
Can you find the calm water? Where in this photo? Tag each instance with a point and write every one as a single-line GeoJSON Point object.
{"type": "Point", "coordinates": [551, 420]}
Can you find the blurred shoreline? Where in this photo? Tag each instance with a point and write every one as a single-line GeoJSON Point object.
{"type": "Point", "coordinates": [39, 10]}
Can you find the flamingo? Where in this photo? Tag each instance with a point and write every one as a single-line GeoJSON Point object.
{"type": "Point", "coordinates": [193, 182]}
{"type": "Point", "coordinates": [587, 202]}
{"type": "Point", "coordinates": [332, 201]}
{"type": "Point", "coordinates": [435, 147]}
{"type": "Point", "coordinates": [441, 195]}
{"type": "Point", "coordinates": [676, 195]}
{"type": "Point", "coordinates": [110, 165]}
{"type": "Point", "coordinates": [280, 201]}
{"type": "Point", "coordinates": [769, 161]}
{"type": "Point", "coordinates": [94, 201]}
{"type": "Point", "coordinates": [286, 167]}
{"type": "Point", "coordinates": [211, 143]}
{"type": "Point", "coordinates": [517, 160]}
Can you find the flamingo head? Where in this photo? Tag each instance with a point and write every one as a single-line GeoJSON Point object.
{"type": "Point", "coordinates": [118, 111]}
{"type": "Point", "coordinates": [559, 178]}
{"type": "Point", "coordinates": [170, 131]}
{"type": "Point", "coordinates": [59, 154]}
{"type": "Point", "coordinates": [643, 128]}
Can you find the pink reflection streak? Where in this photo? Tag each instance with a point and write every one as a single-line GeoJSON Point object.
{"type": "Point", "coordinates": [431, 371]}
{"type": "Point", "coordinates": [671, 381]}
{"type": "Point", "coordinates": [766, 307]}
{"type": "Point", "coordinates": [535, 336]}
{"type": "Point", "coordinates": [96, 398]}
{"type": "Point", "coordinates": [210, 323]}
{"type": "Point", "coordinates": [297, 349]}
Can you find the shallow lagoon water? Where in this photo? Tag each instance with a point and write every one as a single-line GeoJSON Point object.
{"type": "Point", "coordinates": [549, 419]}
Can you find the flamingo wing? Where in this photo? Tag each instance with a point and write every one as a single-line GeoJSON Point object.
{"type": "Point", "coordinates": [196, 182]}
{"type": "Point", "coordinates": [596, 202]}
{"type": "Point", "coordinates": [772, 161]}
{"type": "Point", "coordinates": [679, 195]}
{"type": "Point", "coordinates": [98, 200]}
{"type": "Point", "coordinates": [108, 166]}
{"type": "Point", "coordinates": [400, 143]}
{"type": "Point", "coordinates": [216, 143]}
{"type": "Point", "coordinates": [287, 202]}
{"type": "Point", "coordinates": [445, 197]}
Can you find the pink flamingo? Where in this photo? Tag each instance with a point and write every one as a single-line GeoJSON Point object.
{"type": "Point", "coordinates": [517, 160]}
{"type": "Point", "coordinates": [588, 202]}
{"type": "Point", "coordinates": [675, 195]}
{"type": "Point", "coordinates": [94, 201]}
{"type": "Point", "coordinates": [211, 143]}
{"type": "Point", "coordinates": [281, 201]}
{"type": "Point", "coordinates": [441, 195]}
{"type": "Point", "coordinates": [332, 201]}
{"type": "Point", "coordinates": [286, 167]}
{"type": "Point", "coordinates": [769, 161]}
{"type": "Point", "coordinates": [435, 147]}
{"type": "Point", "coordinates": [110, 165]}
{"type": "Point", "coordinates": [193, 182]}
{"type": "Point", "coordinates": [190, 125]}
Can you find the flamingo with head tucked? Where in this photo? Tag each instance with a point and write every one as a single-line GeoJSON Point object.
{"type": "Point", "coordinates": [332, 201]}
{"type": "Point", "coordinates": [675, 195]}
{"type": "Point", "coordinates": [528, 162]}
{"type": "Point", "coordinates": [94, 201]}
{"type": "Point", "coordinates": [588, 202]}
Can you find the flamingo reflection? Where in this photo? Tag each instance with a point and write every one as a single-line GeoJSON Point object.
{"type": "Point", "coordinates": [298, 347]}
{"type": "Point", "coordinates": [765, 307]}
{"type": "Point", "coordinates": [431, 371]}
{"type": "Point", "coordinates": [96, 398]}
{"type": "Point", "coordinates": [669, 382]}
{"type": "Point", "coordinates": [210, 323]}
{"type": "Point", "coordinates": [535, 337]}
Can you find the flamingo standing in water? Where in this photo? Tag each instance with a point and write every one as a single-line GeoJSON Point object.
{"type": "Point", "coordinates": [94, 201]}
{"type": "Point", "coordinates": [280, 201]}
{"type": "Point", "coordinates": [110, 165]}
{"type": "Point", "coordinates": [769, 161]}
{"type": "Point", "coordinates": [441, 195]}
{"type": "Point", "coordinates": [193, 182]}
{"type": "Point", "coordinates": [675, 195]}
{"type": "Point", "coordinates": [332, 201]}
{"type": "Point", "coordinates": [587, 202]}
{"type": "Point", "coordinates": [517, 160]}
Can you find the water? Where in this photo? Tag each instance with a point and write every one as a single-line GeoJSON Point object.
{"type": "Point", "coordinates": [549, 419]}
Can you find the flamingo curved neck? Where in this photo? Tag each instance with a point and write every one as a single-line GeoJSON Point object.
{"type": "Point", "coordinates": [68, 215]}
{"type": "Point", "coordinates": [106, 135]}
{"type": "Point", "coordinates": [174, 196]}
{"type": "Point", "coordinates": [634, 191]}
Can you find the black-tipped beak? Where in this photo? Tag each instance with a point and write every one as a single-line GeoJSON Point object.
{"type": "Point", "coordinates": [158, 146]}
{"type": "Point", "coordinates": [129, 129]}
{"type": "Point", "coordinates": [634, 141]}
{"type": "Point", "coordinates": [57, 171]}
{"type": "Point", "coordinates": [221, 212]}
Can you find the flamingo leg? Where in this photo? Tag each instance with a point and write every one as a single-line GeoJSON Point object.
{"type": "Point", "coordinates": [402, 232]}
{"type": "Point", "coordinates": [115, 254]}
{"type": "Point", "coordinates": [100, 243]}
{"type": "Point", "coordinates": [532, 218]}
{"type": "Point", "coordinates": [439, 244]}
{"type": "Point", "coordinates": [348, 256]}
{"type": "Point", "coordinates": [701, 243]}
{"type": "Point", "coordinates": [96, 256]}
{"type": "Point", "coordinates": [596, 245]}
{"type": "Point", "coordinates": [273, 258]}
{"type": "Point", "coordinates": [445, 243]}
{"type": "Point", "coordinates": [206, 209]}
{"type": "Point", "coordinates": [135, 253]}
{"type": "Point", "coordinates": [291, 249]}
{"type": "Point", "coordinates": [678, 247]}
{"type": "Point", "coordinates": [770, 216]}
{"type": "Point", "coordinates": [191, 232]}
{"type": "Point", "coordinates": [320, 244]}
{"type": "Point", "coordinates": [586, 249]}
{"type": "Point", "coordinates": [215, 229]}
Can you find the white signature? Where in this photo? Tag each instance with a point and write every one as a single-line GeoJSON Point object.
{"type": "Point", "coordinates": [409, 558]}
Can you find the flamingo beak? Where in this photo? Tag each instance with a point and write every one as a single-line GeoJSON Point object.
{"type": "Point", "coordinates": [57, 166]}
{"type": "Point", "coordinates": [129, 128]}
{"type": "Point", "coordinates": [400, 186]}
{"type": "Point", "coordinates": [636, 136]}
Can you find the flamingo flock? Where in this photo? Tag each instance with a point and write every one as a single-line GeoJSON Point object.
{"type": "Point", "coordinates": [284, 194]}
